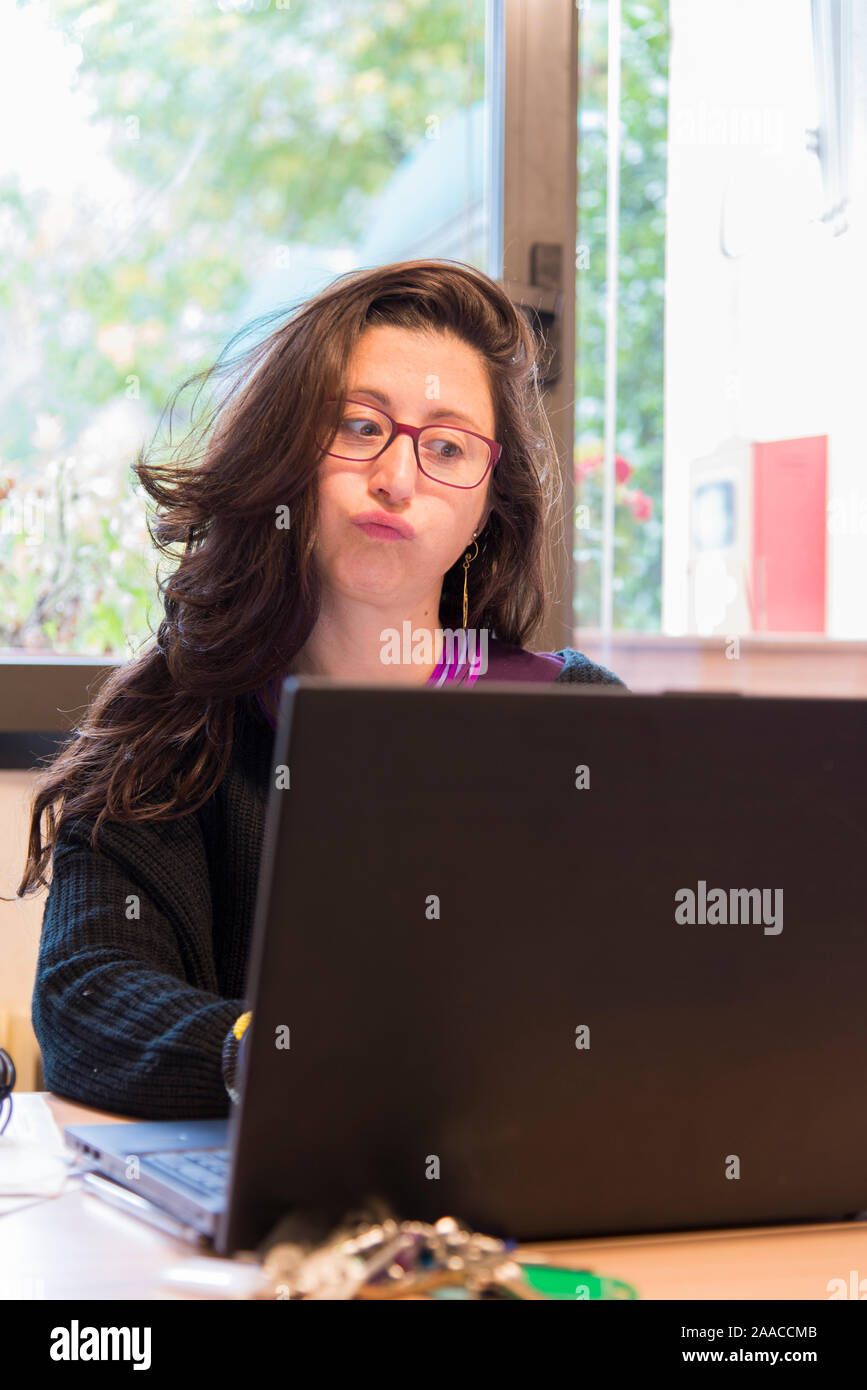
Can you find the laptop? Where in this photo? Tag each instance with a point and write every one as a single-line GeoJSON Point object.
{"type": "Point", "coordinates": [558, 961]}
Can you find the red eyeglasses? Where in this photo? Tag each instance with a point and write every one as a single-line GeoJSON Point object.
{"type": "Point", "coordinates": [446, 454]}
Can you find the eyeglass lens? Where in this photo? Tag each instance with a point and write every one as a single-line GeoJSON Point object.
{"type": "Point", "coordinates": [448, 454]}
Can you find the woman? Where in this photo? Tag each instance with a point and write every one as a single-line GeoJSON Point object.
{"type": "Point", "coordinates": [381, 465]}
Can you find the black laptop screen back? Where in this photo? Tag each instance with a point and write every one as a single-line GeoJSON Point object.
{"type": "Point", "coordinates": [474, 937]}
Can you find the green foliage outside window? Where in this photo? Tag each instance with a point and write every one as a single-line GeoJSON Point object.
{"type": "Point", "coordinates": [639, 435]}
{"type": "Point", "coordinates": [235, 131]}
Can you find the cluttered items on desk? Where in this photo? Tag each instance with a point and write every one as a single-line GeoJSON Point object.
{"type": "Point", "coordinates": [372, 1255]}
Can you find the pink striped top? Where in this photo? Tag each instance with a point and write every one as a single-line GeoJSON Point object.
{"type": "Point", "coordinates": [505, 662]}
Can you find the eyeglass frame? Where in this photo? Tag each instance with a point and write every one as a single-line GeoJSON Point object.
{"type": "Point", "coordinates": [397, 427]}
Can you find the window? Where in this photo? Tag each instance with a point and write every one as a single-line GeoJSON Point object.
{"type": "Point", "coordinates": [170, 172]}
{"type": "Point", "coordinates": [719, 289]}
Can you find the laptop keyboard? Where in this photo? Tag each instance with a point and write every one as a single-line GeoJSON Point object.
{"type": "Point", "coordinates": [207, 1170]}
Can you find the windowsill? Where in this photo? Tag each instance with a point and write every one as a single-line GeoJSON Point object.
{"type": "Point", "coordinates": [623, 638]}
{"type": "Point", "coordinates": [20, 656]}
{"type": "Point", "coordinates": [778, 641]}
{"type": "Point", "coordinates": [763, 663]}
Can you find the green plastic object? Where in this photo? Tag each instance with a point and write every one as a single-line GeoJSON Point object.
{"type": "Point", "coordinates": [575, 1284]}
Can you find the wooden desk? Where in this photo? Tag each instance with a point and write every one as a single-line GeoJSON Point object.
{"type": "Point", "coordinates": [79, 1247]}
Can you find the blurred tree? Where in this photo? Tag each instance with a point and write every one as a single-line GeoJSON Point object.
{"type": "Point", "coordinates": [231, 130]}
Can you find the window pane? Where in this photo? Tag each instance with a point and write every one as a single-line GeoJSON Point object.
{"type": "Point", "coordinates": [168, 173]}
{"type": "Point", "coordinates": [741, 286]}
{"type": "Point", "coordinates": [641, 288]}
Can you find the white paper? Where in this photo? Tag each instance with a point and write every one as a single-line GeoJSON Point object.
{"type": "Point", "coordinates": [34, 1161]}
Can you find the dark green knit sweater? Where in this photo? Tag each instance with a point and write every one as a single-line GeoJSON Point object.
{"type": "Point", "coordinates": [143, 954]}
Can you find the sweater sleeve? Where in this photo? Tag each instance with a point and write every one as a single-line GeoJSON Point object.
{"type": "Point", "coordinates": [126, 1006]}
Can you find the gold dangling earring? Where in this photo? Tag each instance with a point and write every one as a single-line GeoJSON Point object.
{"type": "Point", "coordinates": [467, 559]}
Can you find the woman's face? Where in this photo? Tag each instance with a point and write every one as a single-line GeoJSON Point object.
{"type": "Point", "coordinates": [418, 374]}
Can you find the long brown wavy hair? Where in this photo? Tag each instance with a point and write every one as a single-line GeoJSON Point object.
{"type": "Point", "coordinates": [156, 739]}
